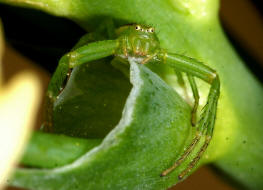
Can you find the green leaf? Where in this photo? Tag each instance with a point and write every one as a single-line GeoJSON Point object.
{"type": "Point", "coordinates": [51, 150]}
{"type": "Point", "coordinates": [135, 152]}
{"type": "Point", "coordinates": [91, 104]}
{"type": "Point", "coordinates": [191, 28]}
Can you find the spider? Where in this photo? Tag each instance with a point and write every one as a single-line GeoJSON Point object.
{"type": "Point", "coordinates": [141, 43]}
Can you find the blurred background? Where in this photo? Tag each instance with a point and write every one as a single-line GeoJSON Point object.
{"type": "Point", "coordinates": [40, 49]}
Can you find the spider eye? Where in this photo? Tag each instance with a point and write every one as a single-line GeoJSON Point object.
{"type": "Point", "coordinates": [137, 27]}
{"type": "Point", "coordinates": [151, 30]}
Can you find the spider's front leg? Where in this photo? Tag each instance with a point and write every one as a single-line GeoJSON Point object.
{"type": "Point", "coordinates": [84, 54]}
{"type": "Point", "coordinates": [205, 125]}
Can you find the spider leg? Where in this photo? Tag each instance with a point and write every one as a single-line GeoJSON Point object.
{"type": "Point", "coordinates": [180, 78]}
{"type": "Point", "coordinates": [208, 138]}
{"type": "Point", "coordinates": [106, 30]}
{"type": "Point", "coordinates": [88, 38]}
{"type": "Point", "coordinates": [181, 83]}
{"type": "Point", "coordinates": [83, 54]}
{"type": "Point", "coordinates": [121, 65]}
{"type": "Point", "coordinates": [184, 156]}
{"type": "Point", "coordinates": [194, 91]}
{"type": "Point", "coordinates": [196, 97]}
{"type": "Point", "coordinates": [194, 68]}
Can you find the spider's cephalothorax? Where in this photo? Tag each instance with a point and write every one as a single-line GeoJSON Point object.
{"type": "Point", "coordinates": [137, 41]}
{"type": "Point", "coordinates": [140, 42]}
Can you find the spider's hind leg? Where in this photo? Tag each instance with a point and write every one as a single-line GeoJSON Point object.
{"type": "Point", "coordinates": [194, 89]}
{"type": "Point", "coordinates": [106, 30]}
{"type": "Point", "coordinates": [180, 80]}
{"type": "Point", "coordinates": [122, 66]}
{"type": "Point", "coordinates": [196, 98]}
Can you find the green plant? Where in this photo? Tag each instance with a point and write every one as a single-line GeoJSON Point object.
{"type": "Point", "coordinates": [192, 27]}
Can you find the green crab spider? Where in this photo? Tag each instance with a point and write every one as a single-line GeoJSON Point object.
{"type": "Point", "coordinates": [141, 43]}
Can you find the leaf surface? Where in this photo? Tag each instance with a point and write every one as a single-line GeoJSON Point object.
{"type": "Point", "coordinates": [135, 152]}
